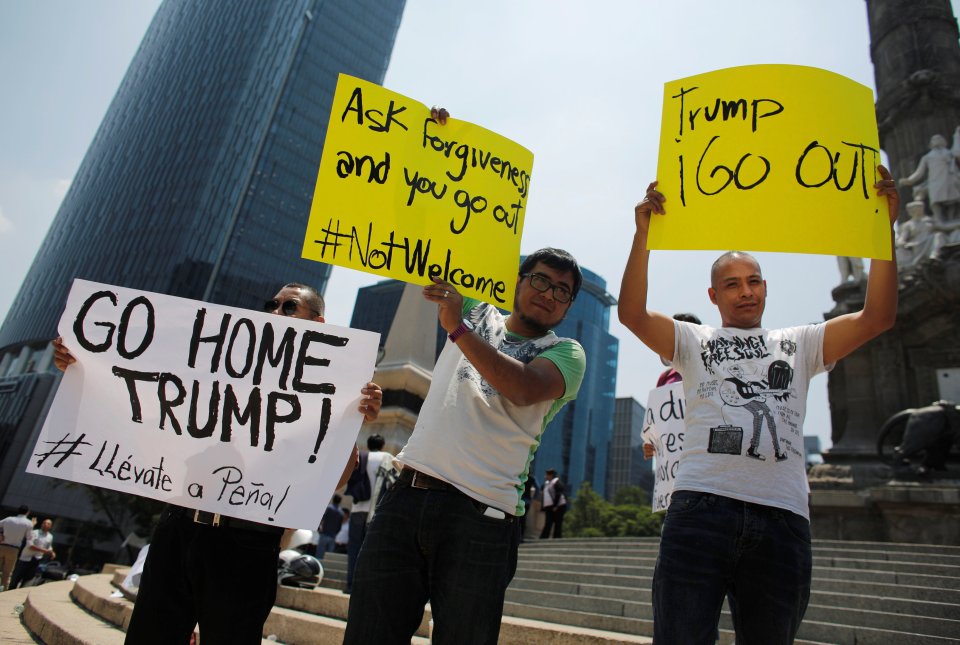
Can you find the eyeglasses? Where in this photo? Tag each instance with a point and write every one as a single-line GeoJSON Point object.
{"type": "Point", "coordinates": [287, 307]}
{"type": "Point", "coordinates": [560, 293]}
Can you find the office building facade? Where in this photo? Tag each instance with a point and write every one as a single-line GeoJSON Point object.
{"type": "Point", "coordinates": [198, 182]}
{"type": "Point", "coordinates": [626, 465]}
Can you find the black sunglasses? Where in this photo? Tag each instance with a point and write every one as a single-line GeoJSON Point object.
{"type": "Point", "coordinates": [287, 307]}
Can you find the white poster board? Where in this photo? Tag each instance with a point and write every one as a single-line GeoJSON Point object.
{"type": "Point", "coordinates": [663, 427]}
{"type": "Point", "coordinates": [226, 410]}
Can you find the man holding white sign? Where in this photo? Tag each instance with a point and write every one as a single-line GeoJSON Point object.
{"type": "Point", "coordinates": [447, 531]}
{"type": "Point", "coordinates": [209, 568]}
{"type": "Point", "coordinates": [738, 520]}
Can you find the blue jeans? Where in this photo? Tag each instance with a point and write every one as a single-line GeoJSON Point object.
{"type": "Point", "coordinates": [711, 546]}
{"type": "Point", "coordinates": [325, 544]}
{"type": "Point", "coordinates": [434, 545]}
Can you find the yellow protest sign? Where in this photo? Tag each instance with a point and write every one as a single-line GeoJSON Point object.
{"type": "Point", "coordinates": [770, 158]}
{"type": "Point", "coordinates": [401, 196]}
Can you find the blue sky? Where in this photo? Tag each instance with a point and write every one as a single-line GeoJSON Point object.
{"type": "Point", "coordinates": [579, 84]}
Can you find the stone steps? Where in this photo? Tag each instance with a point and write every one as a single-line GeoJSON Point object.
{"type": "Point", "coordinates": [862, 592]}
{"type": "Point", "coordinates": [12, 629]}
{"type": "Point", "coordinates": [90, 612]}
{"type": "Point", "coordinates": [568, 592]}
{"type": "Point", "coordinates": [51, 614]}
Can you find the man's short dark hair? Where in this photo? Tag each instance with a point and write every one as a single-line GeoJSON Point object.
{"type": "Point", "coordinates": [375, 442]}
{"type": "Point", "coordinates": [555, 259]}
{"type": "Point", "coordinates": [690, 318]}
{"type": "Point", "coordinates": [311, 296]}
{"type": "Point", "coordinates": [551, 471]}
{"type": "Point", "coordinates": [336, 499]}
{"type": "Point", "coordinates": [23, 510]}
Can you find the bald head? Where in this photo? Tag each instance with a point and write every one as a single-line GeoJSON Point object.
{"type": "Point", "coordinates": [726, 258]}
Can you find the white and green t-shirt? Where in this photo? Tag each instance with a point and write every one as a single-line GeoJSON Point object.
{"type": "Point", "coordinates": [469, 435]}
{"type": "Point", "coordinates": [746, 397]}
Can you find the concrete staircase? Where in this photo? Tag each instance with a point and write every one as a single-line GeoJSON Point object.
{"type": "Point", "coordinates": [566, 592]}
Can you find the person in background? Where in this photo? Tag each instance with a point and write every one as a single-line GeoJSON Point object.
{"type": "Point", "coordinates": [342, 539]}
{"type": "Point", "coordinates": [39, 545]}
{"type": "Point", "coordinates": [13, 531]}
{"type": "Point", "coordinates": [530, 491]}
{"type": "Point", "coordinates": [360, 487]}
{"type": "Point", "coordinates": [330, 525]}
{"type": "Point", "coordinates": [554, 505]}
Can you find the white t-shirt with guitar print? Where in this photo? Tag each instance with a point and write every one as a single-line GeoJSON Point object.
{"type": "Point", "coordinates": [746, 397]}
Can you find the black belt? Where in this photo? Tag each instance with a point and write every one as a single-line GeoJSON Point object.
{"type": "Point", "coordinates": [417, 479]}
{"type": "Point", "coordinates": [216, 520]}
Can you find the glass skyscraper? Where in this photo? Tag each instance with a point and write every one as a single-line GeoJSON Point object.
{"type": "Point", "coordinates": [626, 465]}
{"type": "Point", "coordinates": [198, 183]}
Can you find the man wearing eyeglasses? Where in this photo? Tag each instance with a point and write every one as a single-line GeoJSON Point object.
{"type": "Point", "coordinates": [448, 530]}
{"type": "Point", "coordinates": [216, 570]}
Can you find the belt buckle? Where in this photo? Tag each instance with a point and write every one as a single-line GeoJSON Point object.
{"type": "Point", "coordinates": [215, 521]}
{"type": "Point", "coordinates": [413, 482]}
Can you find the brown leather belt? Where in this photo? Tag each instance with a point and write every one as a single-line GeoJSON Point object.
{"type": "Point", "coordinates": [417, 479]}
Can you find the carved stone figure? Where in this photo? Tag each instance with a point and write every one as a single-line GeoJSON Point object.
{"type": "Point", "coordinates": [942, 177]}
{"type": "Point", "coordinates": [916, 238]}
{"type": "Point", "coordinates": [850, 269]}
{"type": "Point", "coordinates": [928, 433]}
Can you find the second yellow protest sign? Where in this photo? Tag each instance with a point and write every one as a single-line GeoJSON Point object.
{"type": "Point", "coordinates": [402, 196]}
{"type": "Point", "coordinates": [770, 158]}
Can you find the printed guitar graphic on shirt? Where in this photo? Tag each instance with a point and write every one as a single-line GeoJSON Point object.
{"type": "Point", "coordinates": [739, 392]}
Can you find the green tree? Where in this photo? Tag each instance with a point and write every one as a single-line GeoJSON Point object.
{"type": "Point", "coordinates": [586, 512]}
{"type": "Point", "coordinates": [628, 516]}
{"type": "Point", "coordinates": [631, 495]}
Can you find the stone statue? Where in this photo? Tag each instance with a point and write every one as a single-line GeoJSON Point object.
{"type": "Point", "coordinates": [850, 269]}
{"type": "Point", "coordinates": [947, 233]}
{"type": "Point", "coordinates": [916, 238]}
{"type": "Point", "coordinates": [943, 177]}
{"type": "Point", "coordinates": [929, 433]}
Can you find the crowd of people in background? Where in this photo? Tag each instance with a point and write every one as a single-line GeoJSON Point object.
{"type": "Point", "coordinates": [23, 547]}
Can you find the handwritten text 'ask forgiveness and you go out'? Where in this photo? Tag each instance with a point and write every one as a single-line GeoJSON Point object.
{"type": "Point", "coordinates": [402, 196]}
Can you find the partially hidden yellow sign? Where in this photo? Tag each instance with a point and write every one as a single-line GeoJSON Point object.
{"type": "Point", "coordinates": [770, 158]}
{"type": "Point", "coordinates": [402, 196]}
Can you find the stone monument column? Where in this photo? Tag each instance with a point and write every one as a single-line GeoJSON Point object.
{"type": "Point", "coordinates": [405, 369]}
{"type": "Point", "coordinates": [916, 67]}
{"type": "Point", "coordinates": [916, 55]}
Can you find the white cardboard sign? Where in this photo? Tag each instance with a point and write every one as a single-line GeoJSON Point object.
{"type": "Point", "coordinates": [663, 427]}
{"type": "Point", "coordinates": [226, 410]}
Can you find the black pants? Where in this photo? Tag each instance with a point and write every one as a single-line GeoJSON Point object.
{"type": "Point", "coordinates": [224, 578]}
{"type": "Point", "coordinates": [24, 572]}
{"type": "Point", "coordinates": [358, 531]}
{"type": "Point", "coordinates": [554, 521]}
